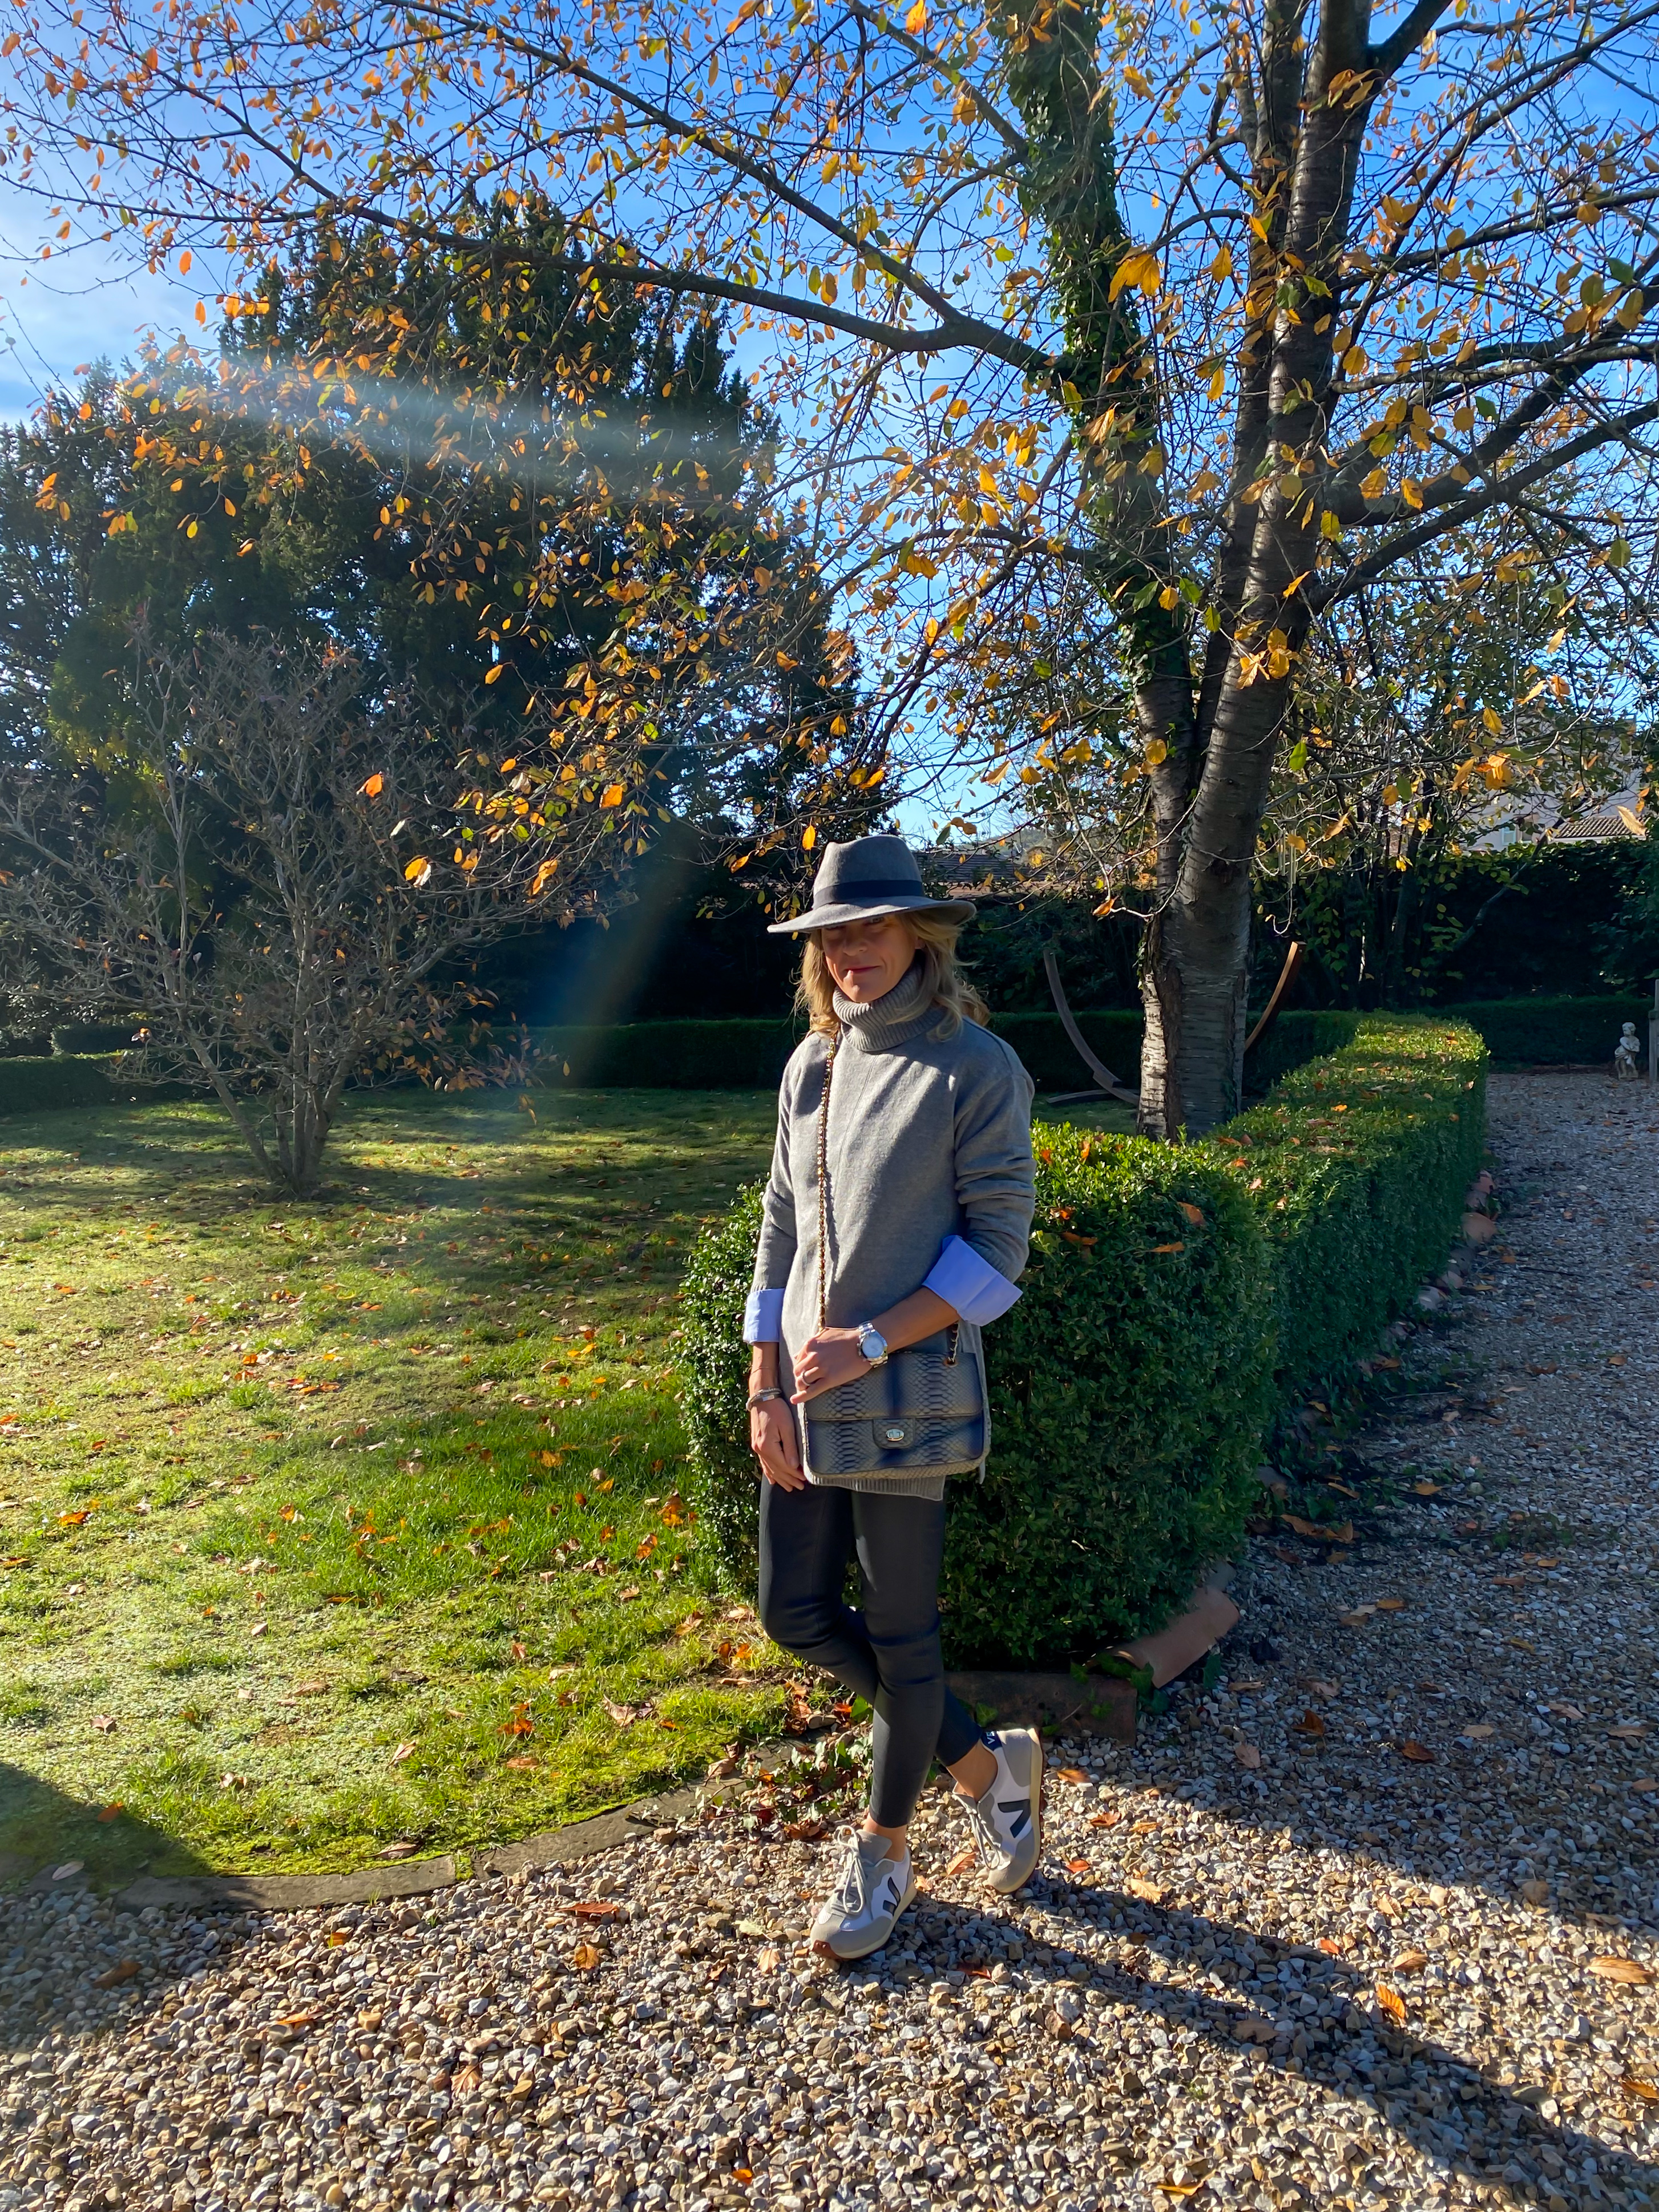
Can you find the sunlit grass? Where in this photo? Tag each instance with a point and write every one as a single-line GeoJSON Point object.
{"type": "Point", "coordinates": [357, 1525]}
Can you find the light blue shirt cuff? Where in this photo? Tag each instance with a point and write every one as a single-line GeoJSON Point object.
{"type": "Point", "coordinates": [763, 1317]}
{"type": "Point", "coordinates": [968, 1283]}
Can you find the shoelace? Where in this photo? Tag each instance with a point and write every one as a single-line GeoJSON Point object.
{"type": "Point", "coordinates": [987, 1842]}
{"type": "Point", "coordinates": [852, 1894]}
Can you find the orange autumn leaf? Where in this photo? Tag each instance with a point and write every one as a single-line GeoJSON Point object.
{"type": "Point", "coordinates": [1392, 2003]}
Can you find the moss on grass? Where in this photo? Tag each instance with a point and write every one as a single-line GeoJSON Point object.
{"type": "Point", "coordinates": [333, 1527]}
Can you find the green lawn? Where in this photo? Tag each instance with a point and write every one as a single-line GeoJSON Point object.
{"type": "Point", "coordinates": [338, 1527]}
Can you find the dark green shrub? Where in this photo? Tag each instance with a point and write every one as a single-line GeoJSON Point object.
{"type": "Point", "coordinates": [689, 1055]}
{"type": "Point", "coordinates": [1554, 1032]}
{"type": "Point", "coordinates": [1134, 1384]}
{"type": "Point", "coordinates": [724, 1483]}
{"type": "Point", "coordinates": [31, 1087]}
{"type": "Point", "coordinates": [74, 1040]}
{"type": "Point", "coordinates": [25, 1044]}
{"type": "Point", "coordinates": [1362, 1161]}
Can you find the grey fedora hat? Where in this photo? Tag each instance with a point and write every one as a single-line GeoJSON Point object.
{"type": "Point", "coordinates": [865, 877]}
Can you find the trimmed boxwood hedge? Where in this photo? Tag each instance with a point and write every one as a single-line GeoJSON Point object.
{"type": "Point", "coordinates": [32, 1086]}
{"type": "Point", "coordinates": [1178, 1300]}
{"type": "Point", "coordinates": [747, 1055]}
{"type": "Point", "coordinates": [1554, 1032]}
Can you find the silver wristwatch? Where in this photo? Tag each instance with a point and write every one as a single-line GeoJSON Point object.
{"type": "Point", "coordinates": [872, 1343]}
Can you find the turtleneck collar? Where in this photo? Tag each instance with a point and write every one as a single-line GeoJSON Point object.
{"type": "Point", "coordinates": [890, 1019]}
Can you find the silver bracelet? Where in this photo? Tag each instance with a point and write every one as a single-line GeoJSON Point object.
{"type": "Point", "coordinates": [760, 1397]}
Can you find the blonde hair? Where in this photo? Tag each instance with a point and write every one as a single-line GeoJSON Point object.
{"type": "Point", "coordinates": [943, 978]}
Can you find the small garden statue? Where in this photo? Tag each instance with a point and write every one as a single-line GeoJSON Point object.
{"type": "Point", "coordinates": [1627, 1054]}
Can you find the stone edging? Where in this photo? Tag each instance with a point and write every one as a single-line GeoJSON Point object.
{"type": "Point", "coordinates": [1099, 1703]}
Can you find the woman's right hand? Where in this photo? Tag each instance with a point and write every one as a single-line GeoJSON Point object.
{"type": "Point", "coordinates": [772, 1439]}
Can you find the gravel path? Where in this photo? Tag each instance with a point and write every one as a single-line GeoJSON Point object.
{"type": "Point", "coordinates": [1372, 1922]}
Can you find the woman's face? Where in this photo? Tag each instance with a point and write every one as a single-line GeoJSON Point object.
{"type": "Point", "coordinates": [866, 958]}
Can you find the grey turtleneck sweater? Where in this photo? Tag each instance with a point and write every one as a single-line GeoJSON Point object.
{"type": "Point", "coordinates": [930, 1175]}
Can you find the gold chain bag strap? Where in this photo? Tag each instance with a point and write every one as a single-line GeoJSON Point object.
{"type": "Point", "coordinates": [922, 1412]}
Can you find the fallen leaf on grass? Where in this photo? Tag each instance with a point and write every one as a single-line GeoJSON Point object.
{"type": "Point", "coordinates": [402, 1849]}
{"type": "Point", "coordinates": [404, 1751]}
{"type": "Point", "coordinates": [1631, 1971]}
{"type": "Point", "coordinates": [1411, 1962]}
{"type": "Point", "coordinates": [1247, 1755]}
{"type": "Point", "coordinates": [1428, 1489]}
{"type": "Point", "coordinates": [584, 1958]}
{"type": "Point", "coordinates": [125, 1971]}
{"type": "Point", "coordinates": [103, 1723]}
{"type": "Point", "coordinates": [521, 1762]}
{"type": "Point", "coordinates": [112, 1812]}
{"type": "Point", "coordinates": [1411, 1749]}
{"type": "Point", "coordinates": [1169, 1248]}
{"type": "Point", "coordinates": [1392, 2003]}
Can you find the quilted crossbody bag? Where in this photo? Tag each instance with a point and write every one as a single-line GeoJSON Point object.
{"type": "Point", "coordinates": [922, 1412]}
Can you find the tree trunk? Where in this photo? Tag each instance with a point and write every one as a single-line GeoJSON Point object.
{"type": "Point", "coordinates": [1192, 1058]}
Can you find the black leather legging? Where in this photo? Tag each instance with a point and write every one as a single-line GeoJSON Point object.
{"type": "Point", "coordinates": [888, 1650]}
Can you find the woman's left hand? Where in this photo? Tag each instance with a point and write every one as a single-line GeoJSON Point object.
{"type": "Point", "coordinates": [824, 1362]}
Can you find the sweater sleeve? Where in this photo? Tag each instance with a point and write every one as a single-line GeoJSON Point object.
{"type": "Point", "coordinates": [762, 1317]}
{"type": "Point", "coordinates": [977, 1272]}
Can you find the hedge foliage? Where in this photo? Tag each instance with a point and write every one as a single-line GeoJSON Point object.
{"type": "Point", "coordinates": [1554, 1032]}
{"type": "Point", "coordinates": [747, 1055]}
{"type": "Point", "coordinates": [1179, 1299]}
{"type": "Point", "coordinates": [31, 1087]}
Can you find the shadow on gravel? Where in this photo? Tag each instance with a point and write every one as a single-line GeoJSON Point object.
{"type": "Point", "coordinates": [1476, 2128]}
{"type": "Point", "coordinates": [51, 1843]}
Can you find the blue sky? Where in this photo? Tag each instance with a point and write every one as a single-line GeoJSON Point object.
{"type": "Point", "coordinates": [56, 315]}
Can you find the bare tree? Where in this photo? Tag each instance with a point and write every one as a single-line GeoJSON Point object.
{"type": "Point", "coordinates": [284, 873]}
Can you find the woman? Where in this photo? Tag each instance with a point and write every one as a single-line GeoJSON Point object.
{"type": "Point", "coordinates": [895, 1224]}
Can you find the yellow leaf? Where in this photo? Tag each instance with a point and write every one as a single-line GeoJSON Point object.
{"type": "Point", "coordinates": [1223, 264]}
{"type": "Point", "coordinates": [1491, 721]}
{"type": "Point", "coordinates": [612, 795]}
{"type": "Point", "coordinates": [1374, 484]}
{"type": "Point", "coordinates": [373, 787]}
{"type": "Point", "coordinates": [1411, 492]}
{"type": "Point", "coordinates": [1155, 752]}
{"type": "Point", "coordinates": [493, 673]}
{"type": "Point", "coordinates": [1392, 2003]}
{"type": "Point", "coordinates": [418, 871]}
{"type": "Point", "coordinates": [585, 1958]}
{"type": "Point", "coordinates": [1355, 362]}
{"type": "Point", "coordinates": [1138, 269]}
{"type": "Point", "coordinates": [809, 837]}
{"type": "Point", "coordinates": [916, 21]}
{"type": "Point", "coordinates": [1193, 1213]}
{"type": "Point", "coordinates": [1151, 1893]}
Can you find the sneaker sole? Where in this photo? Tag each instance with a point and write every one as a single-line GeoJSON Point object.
{"type": "Point", "coordinates": [860, 1947]}
{"type": "Point", "coordinates": [1008, 1885]}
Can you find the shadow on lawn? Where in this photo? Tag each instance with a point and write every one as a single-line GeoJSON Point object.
{"type": "Point", "coordinates": [43, 1828]}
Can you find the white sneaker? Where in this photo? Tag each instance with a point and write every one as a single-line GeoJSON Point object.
{"type": "Point", "coordinates": [1007, 1821]}
{"type": "Point", "coordinates": [859, 1915]}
